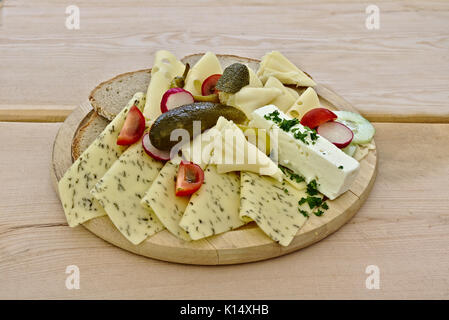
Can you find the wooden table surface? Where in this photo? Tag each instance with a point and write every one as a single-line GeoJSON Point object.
{"type": "Point", "coordinates": [397, 76]}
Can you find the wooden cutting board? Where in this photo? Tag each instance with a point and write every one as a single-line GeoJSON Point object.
{"type": "Point", "coordinates": [246, 244]}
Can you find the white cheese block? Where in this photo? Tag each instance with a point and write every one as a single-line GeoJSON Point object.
{"type": "Point", "coordinates": [165, 68]}
{"type": "Point", "coordinates": [272, 205]}
{"type": "Point", "coordinates": [306, 102]}
{"type": "Point", "coordinates": [214, 208]}
{"type": "Point", "coordinates": [122, 188]}
{"type": "Point", "coordinates": [74, 187]}
{"type": "Point", "coordinates": [334, 170]}
{"type": "Point", "coordinates": [286, 99]}
{"type": "Point", "coordinates": [161, 198]}
{"type": "Point", "coordinates": [205, 67]}
{"type": "Point", "coordinates": [276, 65]}
{"type": "Point", "coordinates": [234, 153]}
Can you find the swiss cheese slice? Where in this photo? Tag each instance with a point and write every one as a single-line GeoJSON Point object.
{"type": "Point", "coordinates": [74, 187]}
{"type": "Point", "coordinates": [286, 99]}
{"type": "Point", "coordinates": [276, 65]}
{"type": "Point", "coordinates": [249, 99]}
{"type": "Point", "coordinates": [166, 205]}
{"type": "Point", "coordinates": [165, 68]}
{"type": "Point", "coordinates": [272, 205]}
{"type": "Point", "coordinates": [205, 67]}
{"type": "Point", "coordinates": [214, 208]}
{"type": "Point", "coordinates": [306, 102]}
{"type": "Point", "coordinates": [122, 188]}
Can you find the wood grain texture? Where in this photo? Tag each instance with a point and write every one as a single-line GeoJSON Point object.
{"type": "Point", "coordinates": [399, 72]}
{"type": "Point", "coordinates": [403, 228]}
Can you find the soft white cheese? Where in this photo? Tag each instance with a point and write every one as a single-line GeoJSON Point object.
{"type": "Point", "coordinates": [333, 170]}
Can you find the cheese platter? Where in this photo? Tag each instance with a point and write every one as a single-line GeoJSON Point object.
{"type": "Point", "coordinates": [299, 163]}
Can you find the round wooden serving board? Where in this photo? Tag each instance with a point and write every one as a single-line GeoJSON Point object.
{"type": "Point", "coordinates": [246, 244]}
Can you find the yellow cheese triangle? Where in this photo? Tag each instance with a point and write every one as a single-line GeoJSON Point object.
{"type": "Point", "coordinates": [276, 65]}
{"type": "Point", "coordinates": [254, 81]}
{"type": "Point", "coordinates": [166, 66]}
{"type": "Point", "coordinates": [205, 67]}
{"type": "Point", "coordinates": [249, 99]}
{"type": "Point", "coordinates": [307, 101]}
{"type": "Point", "coordinates": [285, 99]}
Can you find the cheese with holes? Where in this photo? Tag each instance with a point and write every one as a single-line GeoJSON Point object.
{"type": "Point", "coordinates": [166, 66]}
{"type": "Point", "coordinates": [249, 99]}
{"type": "Point", "coordinates": [165, 204]}
{"type": "Point", "coordinates": [283, 101]}
{"type": "Point", "coordinates": [272, 205]}
{"type": "Point", "coordinates": [306, 102]}
{"type": "Point", "coordinates": [205, 67]}
{"type": "Point", "coordinates": [276, 65]}
{"type": "Point", "coordinates": [122, 188]}
{"type": "Point", "coordinates": [318, 159]}
{"type": "Point", "coordinates": [74, 187]}
{"type": "Point", "coordinates": [214, 208]}
{"type": "Point", "coordinates": [234, 153]}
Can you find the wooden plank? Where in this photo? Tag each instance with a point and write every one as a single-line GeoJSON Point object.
{"type": "Point", "coordinates": [398, 72]}
{"type": "Point", "coordinates": [34, 115]}
{"type": "Point", "coordinates": [403, 228]}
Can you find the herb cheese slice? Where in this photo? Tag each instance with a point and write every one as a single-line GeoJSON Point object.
{"type": "Point", "coordinates": [161, 198]}
{"type": "Point", "coordinates": [273, 205]}
{"type": "Point", "coordinates": [122, 188]}
{"type": "Point", "coordinates": [214, 208]}
{"type": "Point", "coordinates": [74, 187]}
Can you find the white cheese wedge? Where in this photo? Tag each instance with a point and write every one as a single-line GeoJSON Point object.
{"type": "Point", "coordinates": [276, 65]}
{"type": "Point", "coordinates": [165, 204]}
{"type": "Point", "coordinates": [232, 152]}
{"type": "Point", "coordinates": [272, 205]}
{"type": "Point", "coordinates": [321, 160]}
{"type": "Point", "coordinates": [74, 187]}
{"type": "Point", "coordinates": [306, 102]}
{"type": "Point", "coordinates": [214, 208]}
{"type": "Point", "coordinates": [286, 99]}
{"type": "Point", "coordinates": [122, 188]}
{"type": "Point", "coordinates": [165, 68]}
{"type": "Point", "coordinates": [205, 67]}
{"type": "Point", "coordinates": [254, 81]}
{"type": "Point", "coordinates": [249, 99]}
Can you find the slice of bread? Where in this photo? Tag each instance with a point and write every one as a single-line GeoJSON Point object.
{"type": "Point", "coordinates": [89, 129]}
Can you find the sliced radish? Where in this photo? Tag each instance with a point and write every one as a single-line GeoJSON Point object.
{"type": "Point", "coordinates": [336, 132]}
{"type": "Point", "coordinates": [152, 151]}
{"type": "Point", "coordinates": [175, 97]}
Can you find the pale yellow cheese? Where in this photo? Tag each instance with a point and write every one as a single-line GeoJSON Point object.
{"type": "Point", "coordinates": [74, 187]}
{"type": "Point", "coordinates": [283, 101]}
{"type": "Point", "coordinates": [161, 198]}
{"type": "Point", "coordinates": [254, 81]}
{"type": "Point", "coordinates": [166, 66]}
{"type": "Point", "coordinates": [272, 205]}
{"type": "Point", "coordinates": [122, 188]}
{"type": "Point", "coordinates": [205, 67]}
{"type": "Point", "coordinates": [249, 99]}
{"type": "Point", "coordinates": [276, 65]}
{"type": "Point", "coordinates": [306, 102]}
{"type": "Point", "coordinates": [214, 208]}
{"type": "Point", "coordinates": [199, 150]}
{"type": "Point", "coordinates": [234, 153]}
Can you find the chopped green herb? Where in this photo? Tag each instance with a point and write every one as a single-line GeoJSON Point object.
{"type": "Point", "coordinates": [324, 206]}
{"type": "Point", "coordinates": [318, 213]}
{"type": "Point", "coordinates": [303, 212]}
{"type": "Point", "coordinates": [301, 136]}
{"type": "Point", "coordinates": [286, 125]}
{"type": "Point", "coordinates": [340, 167]}
{"type": "Point", "coordinates": [312, 188]}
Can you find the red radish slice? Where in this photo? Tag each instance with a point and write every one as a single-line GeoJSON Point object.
{"type": "Point", "coordinates": [336, 132]}
{"type": "Point", "coordinates": [208, 86]}
{"type": "Point", "coordinates": [315, 117]}
{"type": "Point", "coordinates": [153, 151]}
{"type": "Point", "coordinates": [174, 98]}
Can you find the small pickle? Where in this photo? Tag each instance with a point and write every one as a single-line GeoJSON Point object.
{"type": "Point", "coordinates": [252, 135]}
{"type": "Point", "coordinates": [209, 98]}
{"type": "Point", "coordinates": [179, 82]}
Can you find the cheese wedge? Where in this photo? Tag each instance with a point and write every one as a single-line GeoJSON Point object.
{"type": "Point", "coordinates": [74, 187]}
{"type": "Point", "coordinates": [286, 99]}
{"type": "Point", "coordinates": [276, 65]}
{"type": "Point", "coordinates": [307, 101]}
{"type": "Point", "coordinates": [254, 81]}
{"type": "Point", "coordinates": [317, 159]}
{"type": "Point", "coordinates": [249, 99]}
{"type": "Point", "coordinates": [272, 205]}
{"type": "Point", "coordinates": [205, 67]}
{"type": "Point", "coordinates": [122, 188]}
{"type": "Point", "coordinates": [200, 150]}
{"type": "Point", "coordinates": [165, 204]}
{"type": "Point", "coordinates": [165, 68]}
{"type": "Point", "coordinates": [214, 208]}
{"type": "Point", "coordinates": [234, 153]}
